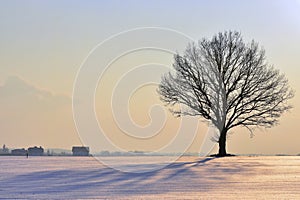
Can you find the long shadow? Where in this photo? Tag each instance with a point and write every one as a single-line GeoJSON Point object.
{"type": "Point", "coordinates": [180, 168]}
{"type": "Point", "coordinates": [119, 183]}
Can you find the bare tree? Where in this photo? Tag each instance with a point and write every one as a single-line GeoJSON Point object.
{"type": "Point", "coordinates": [228, 82]}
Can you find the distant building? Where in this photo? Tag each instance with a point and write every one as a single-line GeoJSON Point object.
{"type": "Point", "coordinates": [80, 151]}
{"type": "Point", "coordinates": [19, 152]}
{"type": "Point", "coordinates": [35, 151]}
{"type": "Point", "coordinates": [4, 150]}
{"type": "Point", "coordinates": [104, 153]}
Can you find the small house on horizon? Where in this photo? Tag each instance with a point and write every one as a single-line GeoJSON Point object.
{"type": "Point", "coordinates": [80, 151]}
{"type": "Point", "coordinates": [19, 152]}
{"type": "Point", "coordinates": [35, 151]}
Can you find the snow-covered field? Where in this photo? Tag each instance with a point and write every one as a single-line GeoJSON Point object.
{"type": "Point", "coordinates": [188, 178]}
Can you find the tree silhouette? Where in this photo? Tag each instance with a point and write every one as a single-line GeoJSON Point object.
{"type": "Point", "coordinates": [228, 82]}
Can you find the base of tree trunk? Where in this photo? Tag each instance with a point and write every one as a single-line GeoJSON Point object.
{"type": "Point", "coordinates": [218, 155]}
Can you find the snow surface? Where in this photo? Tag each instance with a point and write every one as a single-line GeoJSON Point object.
{"type": "Point", "coordinates": [270, 177]}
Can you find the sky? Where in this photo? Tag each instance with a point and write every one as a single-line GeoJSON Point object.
{"type": "Point", "coordinates": [45, 45]}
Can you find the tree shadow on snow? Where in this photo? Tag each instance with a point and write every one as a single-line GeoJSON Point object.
{"type": "Point", "coordinates": [198, 175]}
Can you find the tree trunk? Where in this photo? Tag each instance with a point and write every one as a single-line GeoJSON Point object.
{"type": "Point", "coordinates": [222, 143]}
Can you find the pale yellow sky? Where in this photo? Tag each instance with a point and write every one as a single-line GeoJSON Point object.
{"type": "Point", "coordinates": [43, 45]}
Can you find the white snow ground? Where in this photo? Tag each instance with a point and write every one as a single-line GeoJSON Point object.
{"type": "Point", "coordinates": [270, 177]}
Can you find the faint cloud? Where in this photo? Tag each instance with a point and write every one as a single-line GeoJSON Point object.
{"type": "Point", "coordinates": [31, 115]}
{"type": "Point", "coordinates": [16, 93]}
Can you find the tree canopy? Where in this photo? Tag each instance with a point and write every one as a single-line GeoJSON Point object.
{"type": "Point", "coordinates": [228, 82]}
